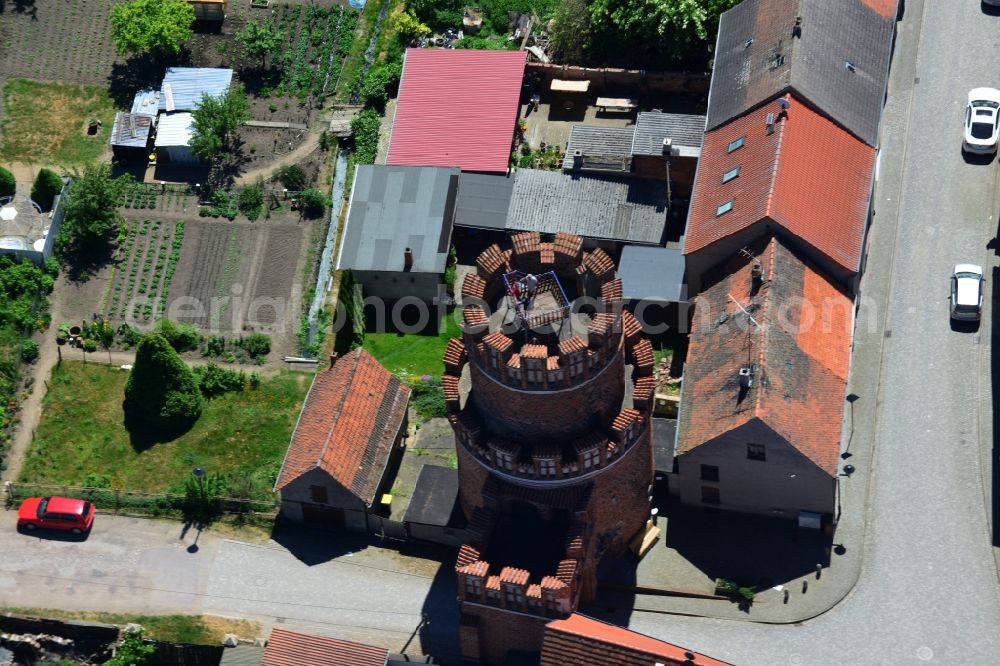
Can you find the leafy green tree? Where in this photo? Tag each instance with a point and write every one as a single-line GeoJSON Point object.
{"type": "Point", "coordinates": [47, 185]}
{"type": "Point", "coordinates": [92, 208]}
{"type": "Point", "coordinates": [151, 26]}
{"type": "Point", "coordinates": [251, 200]}
{"type": "Point", "coordinates": [261, 40]}
{"type": "Point", "coordinates": [29, 351]}
{"type": "Point", "coordinates": [292, 177]}
{"type": "Point", "coordinates": [381, 81]}
{"type": "Point", "coordinates": [7, 183]}
{"type": "Point", "coordinates": [571, 31]}
{"type": "Point", "coordinates": [314, 202]}
{"type": "Point", "coordinates": [215, 120]}
{"type": "Point", "coordinates": [437, 14]}
{"type": "Point", "coordinates": [482, 44]}
{"type": "Point", "coordinates": [408, 26]}
{"type": "Point", "coordinates": [161, 391]}
{"type": "Point", "coordinates": [182, 337]}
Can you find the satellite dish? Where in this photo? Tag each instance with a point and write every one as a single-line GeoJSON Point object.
{"type": "Point", "coordinates": [783, 104]}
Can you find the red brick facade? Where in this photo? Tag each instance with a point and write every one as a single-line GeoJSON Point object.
{"type": "Point", "coordinates": [546, 440]}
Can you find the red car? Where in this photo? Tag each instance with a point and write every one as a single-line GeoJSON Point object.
{"type": "Point", "coordinates": [58, 513]}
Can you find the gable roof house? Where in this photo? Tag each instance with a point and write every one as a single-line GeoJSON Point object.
{"type": "Point", "coordinates": [763, 393]}
{"type": "Point", "coordinates": [348, 436]}
{"type": "Point", "coordinates": [792, 172]}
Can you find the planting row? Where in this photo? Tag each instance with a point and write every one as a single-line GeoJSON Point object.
{"type": "Point", "coordinates": [149, 254]}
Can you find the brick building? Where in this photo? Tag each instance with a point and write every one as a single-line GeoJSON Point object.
{"type": "Point", "coordinates": [551, 409]}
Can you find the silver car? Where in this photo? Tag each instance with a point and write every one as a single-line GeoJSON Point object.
{"type": "Point", "coordinates": [967, 292]}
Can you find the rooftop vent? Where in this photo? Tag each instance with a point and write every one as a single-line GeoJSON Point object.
{"type": "Point", "coordinates": [748, 43]}
{"type": "Point", "coordinates": [746, 377]}
{"type": "Point", "coordinates": [850, 66]}
{"type": "Point", "coordinates": [577, 159]}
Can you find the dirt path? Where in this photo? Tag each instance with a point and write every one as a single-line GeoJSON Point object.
{"type": "Point", "coordinates": [310, 144]}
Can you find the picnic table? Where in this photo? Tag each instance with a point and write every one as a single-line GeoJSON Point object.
{"type": "Point", "coordinates": [617, 104]}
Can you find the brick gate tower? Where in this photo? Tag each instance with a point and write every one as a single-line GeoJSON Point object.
{"type": "Point", "coordinates": [550, 394]}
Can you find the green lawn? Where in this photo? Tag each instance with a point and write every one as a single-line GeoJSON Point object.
{"type": "Point", "coordinates": [410, 356]}
{"type": "Point", "coordinates": [46, 123]}
{"type": "Point", "coordinates": [82, 432]}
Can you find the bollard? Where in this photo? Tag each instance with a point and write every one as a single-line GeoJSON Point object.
{"type": "Point", "coordinates": [805, 586]}
{"type": "Point", "coordinates": [819, 571]}
{"type": "Point", "coordinates": [786, 596]}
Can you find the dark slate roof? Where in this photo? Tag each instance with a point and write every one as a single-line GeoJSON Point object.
{"type": "Point", "coordinates": [652, 273]}
{"type": "Point", "coordinates": [397, 207]}
{"type": "Point", "coordinates": [601, 207]}
{"type": "Point", "coordinates": [483, 200]}
{"type": "Point", "coordinates": [603, 148]}
{"type": "Point", "coordinates": [652, 127]}
{"type": "Point", "coordinates": [664, 438]}
{"type": "Point", "coordinates": [433, 501]}
{"type": "Point", "coordinates": [757, 58]}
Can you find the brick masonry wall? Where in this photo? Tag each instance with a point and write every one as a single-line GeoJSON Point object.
{"type": "Point", "coordinates": [558, 416]}
{"type": "Point", "coordinates": [471, 477]}
{"type": "Point", "coordinates": [500, 631]}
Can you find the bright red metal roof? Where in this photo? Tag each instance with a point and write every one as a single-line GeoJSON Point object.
{"type": "Point", "coordinates": [457, 108]}
{"type": "Point", "coordinates": [290, 648]}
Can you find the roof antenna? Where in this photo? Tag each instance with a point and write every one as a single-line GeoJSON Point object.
{"type": "Point", "coordinates": [783, 105]}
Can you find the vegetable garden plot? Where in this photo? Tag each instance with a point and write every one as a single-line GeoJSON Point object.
{"type": "Point", "coordinates": [147, 259]}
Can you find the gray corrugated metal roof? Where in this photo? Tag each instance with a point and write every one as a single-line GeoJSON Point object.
{"type": "Point", "coordinates": [483, 200]}
{"type": "Point", "coordinates": [652, 273]}
{"type": "Point", "coordinates": [174, 129]}
{"type": "Point", "coordinates": [748, 73]}
{"type": "Point", "coordinates": [397, 207]}
{"type": "Point", "coordinates": [604, 148]}
{"type": "Point", "coordinates": [652, 127]}
{"type": "Point", "coordinates": [146, 101]}
{"type": "Point", "coordinates": [433, 498]}
{"type": "Point", "coordinates": [188, 84]}
{"type": "Point", "coordinates": [131, 130]}
{"type": "Point", "coordinates": [601, 207]}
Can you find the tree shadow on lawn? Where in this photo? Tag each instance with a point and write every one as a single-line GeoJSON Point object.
{"type": "Point", "coordinates": [85, 262]}
{"type": "Point", "coordinates": [143, 437]}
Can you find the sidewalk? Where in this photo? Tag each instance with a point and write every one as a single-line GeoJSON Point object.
{"type": "Point", "coordinates": [809, 595]}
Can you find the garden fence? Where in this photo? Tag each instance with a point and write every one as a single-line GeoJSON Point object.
{"type": "Point", "coordinates": [127, 502]}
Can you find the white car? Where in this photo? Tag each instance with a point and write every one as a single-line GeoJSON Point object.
{"type": "Point", "coordinates": [967, 292]}
{"type": "Point", "coordinates": [982, 121]}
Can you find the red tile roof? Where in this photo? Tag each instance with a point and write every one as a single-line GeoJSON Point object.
{"type": "Point", "coordinates": [800, 345]}
{"type": "Point", "coordinates": [581, 641]}
{"type": "Point", "coordinates": [457, 107]}
{"type": "Point", "coordinates": [348, 425]}
{"type": "Point", "coordinates": [290, 648]}
{"type": "Point", "coordinates": [887, 8]}
{"type": "Point", "coordinates": [809, 177]}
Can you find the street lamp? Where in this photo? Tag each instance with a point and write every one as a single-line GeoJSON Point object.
{"type": "Point", "coordinates": [198, 472]}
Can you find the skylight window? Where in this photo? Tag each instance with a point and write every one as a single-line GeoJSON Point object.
{"type": "Point", "coordinates": [729, 175]}
{"type": "Point", "coordinates": [725, 208]}
{"type": "Point", "coordinates": [738, 143]}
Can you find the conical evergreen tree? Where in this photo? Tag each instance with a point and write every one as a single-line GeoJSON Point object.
{"type": "Point", "coordinates": [161, 391]}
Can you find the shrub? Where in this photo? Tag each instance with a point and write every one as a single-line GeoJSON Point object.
{"type": "Point", "coordinates": [182, 337]}
{"type": "Point", "coordinates": [214, 380]}
{"type": "Point", "coordinates": [161, 391]}
{"type": "Point", "coordinates": [251, 200]}
{"type": "Point", "coordinates": [128, 336]}
{"type": "Point", "coordinates": [202, 495]}
{"type": "Point", "coordinates": [380, 83]}
{"type": "Point", "coordinates": [47, 185]}
{"type": "Point", "coordinates": [257, 345]}
{"type": "Point", "coordinates": [314, 202]}
{"type": "Point", "coordinates": [29, 351]}
{"type": "Point", "coordinates": [214, 346]}
{"type": "Point", "coordinates": [365, 128]}
{"type": "Point", "coordinates": [7, 183]}
{"type": "Point", "coordinates": [133, 650]}
{"type": "Point", "coordinates": [292, 177]}
{"type": "Point", "coordinates": [428, 399]}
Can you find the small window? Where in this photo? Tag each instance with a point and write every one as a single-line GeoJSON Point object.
{"type": "Point", "coordinates": [709, 495]}
{"type": "Point", "coordinates": [725, 208]}
{"type": "Point", "coordinates": [709, 473]}
{"type": "Point", "coordinates": [318, 494]}
{"type": "Point", "coordinates": [729, 175]}
{"type": "Point", "coordinates": [756, 452]}
{"type": "Point", "coordinates": [738, 143]}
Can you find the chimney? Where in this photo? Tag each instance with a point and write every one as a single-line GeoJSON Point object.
{"type": "Point", "coordinates": [797, 28]}
{"type": "Point", "coordinates": [577, 159]}
{"type": "Point", "coordinates": [756, 276]}
{"type": "Point", "coordinates": [333, 359]}
{"type": "Point", "coordinates": [668, 146]}
{"type": "Point", "coordinates": [407, 259]}
{"type": "Point", "coordinates": [746, 377]}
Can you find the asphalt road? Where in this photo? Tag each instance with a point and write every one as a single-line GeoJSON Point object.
{"type": "Point", "coordinates": [928, 591]}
